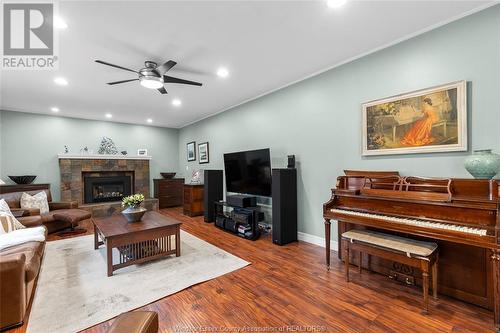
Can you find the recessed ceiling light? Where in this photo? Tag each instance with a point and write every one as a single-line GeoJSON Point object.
{"type": "Point", "coordinates": [176, 102]}
{"type": "Point", "coordinates": [222, 72]}
{"type": "Point", "coordinates": [61, 81]}
{"type": "Point", "coordinates": [150, 120]}
{"type": "Point", "coordinates": [335, 3]}
{"type": "Point", "coordinates": [109, 115]}
{"type": "Point", "coordinates": [54, 109]}
{"type": "Point", "coordinates": [59, 23]}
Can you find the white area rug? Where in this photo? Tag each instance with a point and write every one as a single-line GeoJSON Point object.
{"type": "Point", "coordinates": [74, 292]}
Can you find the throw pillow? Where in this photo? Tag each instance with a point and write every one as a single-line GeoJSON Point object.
{"type": "Point", "coordinates": [38, 200]}
{"type": "Point", "coordinates": [8, 222]}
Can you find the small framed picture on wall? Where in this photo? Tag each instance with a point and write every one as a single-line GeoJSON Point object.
{"type": "Point", "coordinates": [191, 151]}
{"type": "Point", "coordinates": [203, 152]}
{"type": "Point", "coordinates": [142, 152]}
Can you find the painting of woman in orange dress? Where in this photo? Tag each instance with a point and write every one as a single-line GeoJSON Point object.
{"type": "Point", "coordinates": [423, 121]}
{"type": "Point", "coordinates": [420, 133]}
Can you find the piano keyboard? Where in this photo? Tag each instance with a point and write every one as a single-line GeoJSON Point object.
{"type": "Point", "coordinates": [415, 222]}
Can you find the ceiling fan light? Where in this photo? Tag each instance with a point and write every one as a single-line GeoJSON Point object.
{"type": "Point", "coordinates": [151, 82]}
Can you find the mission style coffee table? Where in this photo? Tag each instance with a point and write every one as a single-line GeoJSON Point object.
{"type": "Point", "coordinates": [155, 236]}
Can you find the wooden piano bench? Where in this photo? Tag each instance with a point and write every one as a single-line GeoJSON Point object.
{"type": "Point", "coordinates": [419, 254]}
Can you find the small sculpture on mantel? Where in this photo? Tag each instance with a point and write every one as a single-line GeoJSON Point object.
{"type": "Point", "coordinates": [66, 150]}
{"type": "Point", "coordinates": [107, 147]}
{"type": "Point", "coordinates": [84, 151]}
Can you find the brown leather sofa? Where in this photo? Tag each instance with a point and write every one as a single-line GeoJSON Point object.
{"type": "Point", "coordinates": [61, 215]}
{"type": "Point", "coordinates": [135, 322]}
{"type": "Point", "coordinates": [19, 268]}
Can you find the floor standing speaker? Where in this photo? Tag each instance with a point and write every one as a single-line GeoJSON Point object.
{"type": "Point", "coordinates": [284, 191]}
{"type": "Point", "coordinates": [212, 192]}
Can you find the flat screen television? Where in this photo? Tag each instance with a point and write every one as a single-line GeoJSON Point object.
{"type": "Point", "coordinates": [248, 172]}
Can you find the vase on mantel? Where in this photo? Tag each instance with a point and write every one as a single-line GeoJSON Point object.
{"type": "Point", "coordinates": [134, 213]}
{"type": "Point", "coordinates": [483, 164]}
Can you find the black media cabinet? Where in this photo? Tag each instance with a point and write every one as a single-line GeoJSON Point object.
{"type": "Point", "coordinates": [243, 222]}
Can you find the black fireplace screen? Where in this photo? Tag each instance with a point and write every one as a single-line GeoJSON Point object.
{"type": "Point", "coordinates": [105, 189]}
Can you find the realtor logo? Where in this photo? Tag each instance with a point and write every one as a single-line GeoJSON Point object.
{"type": "Point", "coordinates": [28, 36]}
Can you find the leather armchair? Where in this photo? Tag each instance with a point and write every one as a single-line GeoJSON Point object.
{"type": "Point", "coordinates": [19, 267]}
{"type": "Point", "coordinates": [13, 289]}
{"type": "Point", "coordinates": [63, 205]}
{"type": "Point", "coordinates": [61, 215]}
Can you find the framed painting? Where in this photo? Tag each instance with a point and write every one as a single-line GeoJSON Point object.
{"type": "Point", "coordinates": [191, 151]}
{"type": "Point", "coordinates": [424, 121]}
{"type": "Point", "coordinates": [203, 152]}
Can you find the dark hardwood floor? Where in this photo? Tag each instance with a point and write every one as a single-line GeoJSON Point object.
{"type": "Point", "coordinates": [289, 285]}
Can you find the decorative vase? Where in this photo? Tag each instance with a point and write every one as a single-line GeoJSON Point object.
{"type": "Point", "coordinates": [483, 164]}
{"type": "Point", "coordinates": [134, 213]}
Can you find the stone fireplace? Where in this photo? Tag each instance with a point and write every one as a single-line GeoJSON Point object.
{"type": "Point", "coordinates": [95, 178]}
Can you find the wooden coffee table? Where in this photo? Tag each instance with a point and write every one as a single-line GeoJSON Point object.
{"type": "Point", "coordinates": [155, 236]}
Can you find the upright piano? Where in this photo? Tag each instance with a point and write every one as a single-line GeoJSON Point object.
{"type": "Point", "coordinates": [461, 215]}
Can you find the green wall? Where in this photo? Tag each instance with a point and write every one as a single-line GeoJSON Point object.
{"type": "Point", "coordinates": [319, 119]}
{"type": "Point", "coordinates": [29, 144]}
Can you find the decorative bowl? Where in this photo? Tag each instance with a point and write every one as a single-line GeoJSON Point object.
{"type": "Point", "coordinates": [167, 175]}
{"type": "Point", "coordinates": [22, 179]}
{"type": "Point", "coordinates": [134, 213]}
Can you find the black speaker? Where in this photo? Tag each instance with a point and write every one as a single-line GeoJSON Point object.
{"type": "Point", "coordinates": [284, 186]}
{"type": "Point", "coordinates": [212, 191]}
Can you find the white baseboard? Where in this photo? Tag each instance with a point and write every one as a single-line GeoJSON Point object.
{"type": "Point", "coordinates": [316, 240]}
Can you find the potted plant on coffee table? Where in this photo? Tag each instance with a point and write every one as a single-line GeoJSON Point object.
{"type": "Point", "coordinates": [133, 211]}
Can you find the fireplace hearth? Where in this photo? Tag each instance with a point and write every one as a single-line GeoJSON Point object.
{"type": "Point", "coordinates": [106, 188]}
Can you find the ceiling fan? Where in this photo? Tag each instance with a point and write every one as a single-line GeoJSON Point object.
{"type": "Point", "coordinates": [152, 76]}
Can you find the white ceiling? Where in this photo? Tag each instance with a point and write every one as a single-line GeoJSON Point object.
{"type": "Point", "coordinates": [265, 45]}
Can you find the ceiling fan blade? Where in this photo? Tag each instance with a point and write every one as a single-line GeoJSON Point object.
{"type": "Point", "coordinates": [118, 82]}
{"type": "Point", "coordinates": [116, 66]}
{"type": "Point", "coordinates": [170, 79]}
{"type": "Point", "coordinates": [162, 90]}
{"type": "Point", "coordinates": [165, 67]}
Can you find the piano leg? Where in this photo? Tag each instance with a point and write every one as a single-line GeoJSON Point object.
{"type": "Point", "coordinates": [327, 242]}
{"type": "Point", "coordinates": [496, 287]}
{"type": "Point", "coordinates": [425, 289]}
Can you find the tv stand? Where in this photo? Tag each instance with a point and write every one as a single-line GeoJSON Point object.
{"type": "Point", "coordinates": [241, 221]}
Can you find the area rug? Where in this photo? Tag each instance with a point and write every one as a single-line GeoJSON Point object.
{"type": "Point", "coordinates": [74, 292]}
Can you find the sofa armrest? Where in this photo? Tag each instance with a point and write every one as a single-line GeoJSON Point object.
{"type": "Point", "coordinates": [25, 212]}
{"type": "Point", "coordinates": [12, 288]}
{"type": "Point", "coordinates": [63, 205]}
{"type": "Point", "coordinates": [30, 221]}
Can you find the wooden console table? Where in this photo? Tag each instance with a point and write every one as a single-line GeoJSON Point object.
{"type": "Point", "coordinates": [23, 188]}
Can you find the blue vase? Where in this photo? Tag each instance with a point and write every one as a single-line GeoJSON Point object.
{"type": "Point", "coordinates": [483, 164]}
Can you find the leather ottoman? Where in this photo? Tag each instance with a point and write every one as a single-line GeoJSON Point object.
{"type": "Point", "coordinates": [135, 322]}
{"type": "Point", "coordinates": [72, 216]}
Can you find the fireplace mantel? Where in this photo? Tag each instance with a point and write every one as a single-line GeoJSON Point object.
{"type": "Point", "coordinates": [102, 157]}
